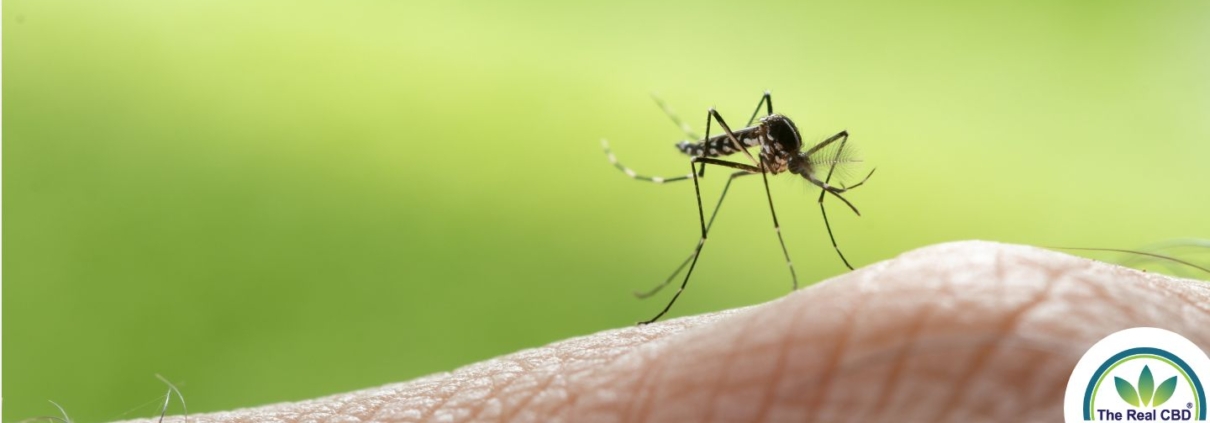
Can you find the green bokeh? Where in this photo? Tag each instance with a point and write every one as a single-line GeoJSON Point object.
{"type": "Point", "coordinates": [279, 200]}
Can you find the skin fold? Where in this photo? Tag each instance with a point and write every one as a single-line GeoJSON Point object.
{"type": "Point", "coordinates": [958, 332]}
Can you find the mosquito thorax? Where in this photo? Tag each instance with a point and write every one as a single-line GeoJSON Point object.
{"type": "Point", "coordinates": [781, 130]}
{"type": "Point", "coordinates": [780, 144]}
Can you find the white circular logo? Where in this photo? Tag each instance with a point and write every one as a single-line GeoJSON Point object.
{"type": "Point", "coordinates": [1139, 374]}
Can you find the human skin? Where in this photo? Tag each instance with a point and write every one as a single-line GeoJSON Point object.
{"type": "Point", "coordinates": [958, 332]}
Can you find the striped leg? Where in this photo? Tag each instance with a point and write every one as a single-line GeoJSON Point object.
{"type": "Point", "coordinates": [766, 99]}
{"type": "Point", "coordinates": [701, 215]}
{"type": "Point", "coordinates": [675, 119]}
{"type": "Point", "coordinates": [709, 224]}
{"type": "Point", "coordinates": [777, 227]}
{"type": "Point", "coordinates": [713, 115]}
{"type": "Point", "coordinates": [843, 137]}
{"type": "Point", "coordinates": [654, 179]}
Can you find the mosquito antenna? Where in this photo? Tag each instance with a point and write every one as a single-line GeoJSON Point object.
{"type": "Point", "coordinates": [675, 119]}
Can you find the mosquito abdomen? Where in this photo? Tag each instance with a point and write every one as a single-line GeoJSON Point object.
{"type": "Point", "coordinates": [721, 145]}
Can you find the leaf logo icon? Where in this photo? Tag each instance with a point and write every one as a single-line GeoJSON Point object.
{"type": "Point", "coordinates": [1147, 394]}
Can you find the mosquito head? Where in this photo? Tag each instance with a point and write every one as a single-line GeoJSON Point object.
{"type": "Point", "coordinates": [783, 132]}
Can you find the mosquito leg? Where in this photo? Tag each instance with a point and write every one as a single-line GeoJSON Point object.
{"type": "Point", "coordinates": [634, 175]}
{"type": "Point", "coordinates": [764, 100]}
{"type": "Point", "coordinates": [715, 116]}
{"type": "Point", "coordinates": [824, 212]}
{"type": "Point", "coordinates": [839, 135]}
{"type": "Point", "coordinates": [675, 119]}
{"type": "Point", "coordinates": [697, 251]}
{"type": "Point", "coordinates": [709, 224]}
{"type": "Point", "coordinates": [844, 137]}
{"type": "Point", "coordinates": [702, 173]}
{"type": "Point", "coordinates": [777, 227]}
{"type": "Point", "coordinates": [837, 191]}
{"type": "Point", "coordinates": [866, 178]}
{"type": "Point", "coordinates": [730, 135]}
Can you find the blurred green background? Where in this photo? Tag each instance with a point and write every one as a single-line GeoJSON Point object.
{"type": "Point", "coordinates": [272, 201]}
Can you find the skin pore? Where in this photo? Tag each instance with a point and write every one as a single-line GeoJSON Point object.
{"type": "Point", "coordinates": [962, 332]}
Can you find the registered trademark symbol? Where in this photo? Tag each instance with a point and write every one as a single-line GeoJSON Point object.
{"type": "Point", "coordinates": [1188, 405]}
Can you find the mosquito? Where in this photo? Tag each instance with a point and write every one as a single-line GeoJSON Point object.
{"type": "Point", "coordinates": [781, 150]}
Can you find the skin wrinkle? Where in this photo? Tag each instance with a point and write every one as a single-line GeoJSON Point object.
{"type": "Point", "coordinates": [1179, 291]}
{"type": "Point", "coordinates": [913, 333]}
{"type": "Point", "coordinates": [1027, 358]}
{"type": "Point", "coordinates": [826, 381]}
{"type": "Point", "coordinates": [1187, 295]}
{"type": "Point", "coordinates": [1048, 408]}
{"type": "Point", "coordinates": [376, 406]}
{"type": "Point", "coordinates": [546, 382]}
{"type": "Point", "coordinates": [698, 379]}
{"type": "Point", "coordinates": [584, 347]}
{"type": "Point", "coordinates": [736, 369]}
{"type": "Point", "coordinates": [414, 401]}
{"type": "Point", "coordinates": [447, 395]}
{"type": "Point", "coordinates": [1076, 302]}
{"type": "Point", "coordinates": [639, 353]}
{"type": "Point", "coordinates": [1054, 390]}
{"type": "Point", "coordinates": [1152, 288]}
{"type": "Point", "coordinates": [1122, 301]}
{"type": "Point", "coordinates": [903, 368]}
{"type": "Point", "coordinates": [869, 363]}
{"type": "Point", "coordinates": [349, 409]}
{"type": "Point", "coordinates": [545, 375]}
{"type": "Point", "coordinates": [728, 360]}
{"type": "Point", "coordinates": [778, 368]}
{"type": "Point", "coordinates": [925, 274]}
{"type": "Point", "coordinates": [515, 377]}
{"type": "Point", "coordinates": [730, 336]}
{"type": "Point", "coordinates": [639, 337]}
{"type": "Point", "coordinates": [1059, 362]}
{"type": "Point", "coordinates": [1104, 293]}
{"type": "Point", "coordinates": [646, 386]}
{"type": "Point", "coordinates": [1011, 319]}
{"type": "Point", "coordinates": [983, 401]}
{"type": "Point", "coordinates": [597, 385]}
{"type": "Point", "coordinates": [580, 374]}
{"type": "Point", "coordinates": [626, 367]}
